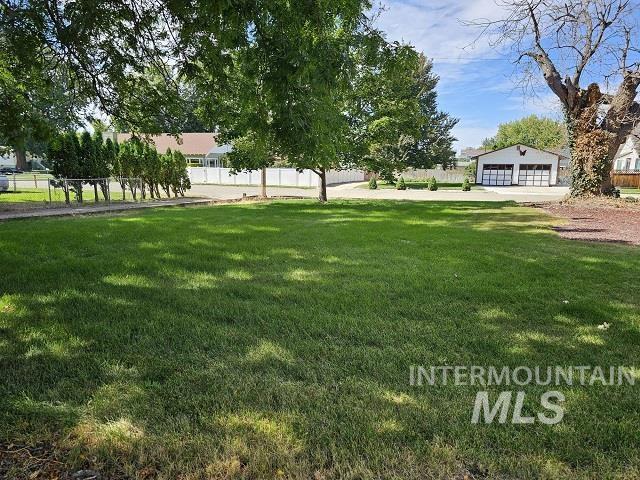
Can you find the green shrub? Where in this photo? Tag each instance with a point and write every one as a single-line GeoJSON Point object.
{"type": "Point", "coordinates": [432, 184]}
{"type": "Point", "coordinates": [401, 185]}
{"type": "Point", "coordinates": [470, 170]}
{"type": "Point", "coordinates": [373, 184]}
{"type": "Point", "coordinates": [466, 186]}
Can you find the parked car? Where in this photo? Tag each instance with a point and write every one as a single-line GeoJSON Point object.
{"type": "Point", "coordinates": [4, 183]}
{"type": "Point", "coordinates": [10, 170]}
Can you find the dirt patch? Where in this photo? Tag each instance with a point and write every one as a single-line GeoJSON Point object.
{"type": "Point", "coordinates": [613, 221]}
{"type": "Point", "coordinates": [47, 461]}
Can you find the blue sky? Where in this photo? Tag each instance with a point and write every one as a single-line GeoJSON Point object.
{"type": "Point", "coordinates": [477, 84]}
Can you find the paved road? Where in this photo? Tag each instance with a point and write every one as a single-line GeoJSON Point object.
{"type": "Point", "coordinates": [351, 190]}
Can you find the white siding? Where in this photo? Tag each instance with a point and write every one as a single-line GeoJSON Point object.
{"type": "Point", "coordinates": [627, 155]}
{"type": "Point", "coordinates": [511, 156]}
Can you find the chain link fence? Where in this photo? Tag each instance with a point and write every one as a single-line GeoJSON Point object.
{"type": "Point", "coordinates": [45, 190]}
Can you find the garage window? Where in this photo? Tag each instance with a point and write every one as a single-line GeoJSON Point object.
{"type": "Point", "coordinates": [535, 175]}
{"type": "Point", "coordinates": [497, 174]}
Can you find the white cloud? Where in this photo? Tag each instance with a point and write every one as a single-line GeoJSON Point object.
{"type": "Point", "coordinates": [434, 27]}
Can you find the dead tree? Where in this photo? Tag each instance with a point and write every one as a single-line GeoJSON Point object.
{"type": "Point", "coordinates": [567, 40]}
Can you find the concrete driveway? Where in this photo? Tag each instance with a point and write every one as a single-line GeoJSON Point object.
{"type": "Point", "coordinates": [352, 190]}
{"type": "Point", "coordinates": [529, 191]}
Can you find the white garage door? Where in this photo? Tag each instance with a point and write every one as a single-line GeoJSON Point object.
{"type": "Point", "coordinates": [497, 174]}
{"type": "Point", "coordinates": [538, 175]}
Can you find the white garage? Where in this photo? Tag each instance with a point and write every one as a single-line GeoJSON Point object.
{"type": "Point", "coordinates": [518, 165]}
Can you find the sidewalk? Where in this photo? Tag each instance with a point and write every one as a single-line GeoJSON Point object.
{"type": "Point", "coordinates": [91, 209]}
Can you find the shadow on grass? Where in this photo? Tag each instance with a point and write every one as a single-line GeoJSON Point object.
{"type": "Point", "coordinates": [277, 337]}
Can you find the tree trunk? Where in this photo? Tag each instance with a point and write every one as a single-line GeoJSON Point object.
{"type": "Point", "coordinates": [323, 185]}
{"type": "Point", "coordinates": [263, 183]}
{"type": "Point", "coordinates": [595, 134]}
{"type": "Point", "coordinates": [95, 192]}
{"type": "Point", "coordinates": [21, 158]}
{"type": "Point", "coordinates": [593, 148]}
{"type": "Point", "coordinates": [79, 192]}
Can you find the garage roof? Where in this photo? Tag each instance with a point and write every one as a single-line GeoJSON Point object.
{"type": "Point", "coordinates": [522, 145]}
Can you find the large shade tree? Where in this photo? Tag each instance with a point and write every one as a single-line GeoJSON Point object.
{"type": "Point", "coordinates": [280, 79]}
{"type": "Point", "coordinates": [382, 108]}
{"type": "Point", "coordinates": [36, 99]}
{"type": "Point", "coordinates": [573, 43]}
{"type": "Point", "coordinates": [60, 58]}
{"type": "Point", "coordinates": [130, 59]}
{"type": "Point", "coordinates": [273, 71]}
{"type": "Point", "coordinates": [433, 144]}
{"type": "Point", "coordinates": [394, 120]}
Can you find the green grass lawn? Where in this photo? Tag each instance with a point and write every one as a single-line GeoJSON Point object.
{"type": "Point", "coordinates": [422, 185]}
{"type": "Point", "coordinates": [41, 196]}
{"type": "Point", "coordinates": [630, 190]}
{"type": "Point", "coordinates": [274, 340]}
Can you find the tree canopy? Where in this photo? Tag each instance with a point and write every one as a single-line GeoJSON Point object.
{"type": "Point", "coordinates": [538, 132]}
{"type": "Point", "coordinates": [279, 79]}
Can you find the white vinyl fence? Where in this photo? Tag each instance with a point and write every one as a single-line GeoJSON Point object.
{"type": "Point", "coordinates": [443, 176]}
{"type": "Point", "coordinates": [276, 177]}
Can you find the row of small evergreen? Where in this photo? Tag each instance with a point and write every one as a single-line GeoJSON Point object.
{"type": "Point", "coordinates": [432, 184]}
{"type": "Point", "coordinates": [89, 160]}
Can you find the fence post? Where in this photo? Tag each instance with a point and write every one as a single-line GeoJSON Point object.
{"type": "Point", "coordinates": [49, 188]}
{"type": "Point", "coordinates": [35, 180]}
{"type": "Point", "coordinates": [14, 183]}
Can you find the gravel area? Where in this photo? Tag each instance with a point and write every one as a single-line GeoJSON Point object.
{"type": "Point", "coordinates": [614, 221]}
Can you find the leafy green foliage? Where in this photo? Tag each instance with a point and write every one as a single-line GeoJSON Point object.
{"type": "Point", "coordinates": [373, 183]}
{"type": "Point", "coordinates": [432, 184]}
{"type": "Point", "coordinates": [534, 131]}
{"type": "Point", "coordinates": [250, 152]}
{"type": "Point", "coordinates": [284, 76]}
{"type": "Point", "coordinates": [36, 98]}
{"type": "Point", "coordinates": [470, 170]}
{"type": "Point", "coordinates": [401, 185]}
{"type": "Point", "coordinates": [433, 144]}
{"type": "Point", "coordinates": [301, 80]}
{"type": "Point", "coordinates": [134, 164]}
{"type": "Point", "coordinates": [395, 123]}
{"type": "Point", "coordinates": [383, 109]}
{"type": "Point", "coordinates": [466, 185]}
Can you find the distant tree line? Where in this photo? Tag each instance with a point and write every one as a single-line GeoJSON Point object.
{"type": "Point", "coordinates": [87, 159]}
